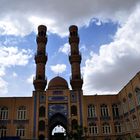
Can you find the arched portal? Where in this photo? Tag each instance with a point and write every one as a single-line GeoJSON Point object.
{"type": "Point", "coordinates": [57, 120]}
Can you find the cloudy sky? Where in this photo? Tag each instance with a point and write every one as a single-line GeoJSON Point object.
{"type": "Point", "coordinates": [109, 33]}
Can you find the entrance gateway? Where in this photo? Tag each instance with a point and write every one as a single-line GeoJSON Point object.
{"type": "Point", "coordinates": [57, 105]}
{"type": "Point", "coordinates": [54, 103]}
{"type": "Point", "coordinates": [57, 120]}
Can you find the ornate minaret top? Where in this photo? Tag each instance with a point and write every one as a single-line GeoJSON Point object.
{"type": "Point", "coordinates": [40, 80]}
{"type": "Point", "coordinates": [75, 58]}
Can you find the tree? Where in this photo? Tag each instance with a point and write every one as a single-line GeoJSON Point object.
{"type": "Point", "coordinates": [79, 133]}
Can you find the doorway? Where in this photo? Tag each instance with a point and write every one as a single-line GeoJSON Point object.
{"type": "Point", "coordinates": [57, 127]}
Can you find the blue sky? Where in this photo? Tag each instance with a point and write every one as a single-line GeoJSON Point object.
{"type": "Point", "coordinates": [109, 42]}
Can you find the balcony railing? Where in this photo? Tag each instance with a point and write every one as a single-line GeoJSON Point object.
{"type": "Point", "coordinates": [105, 118]}
{"type": "Point", "coordinates": [93, 118]}
{"type": "Point", "coordinates": [38, 78]}
{"type": "Point", "coordinates": [5, 122]}
{"type": "Point", "coordinates": [76, 77]}
{"type": "Point", "coordinates": [116, 117]}
{"type": "Point", "coordinates": [40, 54]}
{"type": "Point", "coordinates": [20, 121]}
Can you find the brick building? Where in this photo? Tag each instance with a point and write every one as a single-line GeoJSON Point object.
{"type": "Point", "coordinates": [105, 117]}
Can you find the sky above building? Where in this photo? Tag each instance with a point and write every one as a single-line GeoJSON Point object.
{"type": "Point", "coordinates": [109, 32]}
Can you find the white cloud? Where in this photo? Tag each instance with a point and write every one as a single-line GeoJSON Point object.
{"type": "Point", "coordinates": [14, 74]}
{"type": "Point", "coordinates": [116, 62]}
{"type": "Point", "coordinates": [30, 79]}
{"type": "Point", "coordinates": [65, 49]}
{"type": "Point", "coordinates": [11, 41]}
{"type": "Point", "coordinates": [2, 71]}
{"type": "Point", "coordinates": [11, 56]}
{"type": "Point", "coordinates": [83, 47]}
{"type": "Point", "coordinates": [58, 69]}
{"type": "Point", "coordinates": [58, 15]}
{"type": "Point", "coordinates": [3, 87]}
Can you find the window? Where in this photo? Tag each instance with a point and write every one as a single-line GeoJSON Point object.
{"type": "Point", "coordinates": [41, 137]}
{"type": "Point", "coordinates": [125, 107]}
{"type": "Point", "coordinates": [3, 113]}
{"type": "Point", "coordinates": [91, 111]}
{"type": "Point", "coordinates": [106, 128]}
{"type": "Point", "coordinates": [115, 110]}
{"type": "Point", "coordinates": [93, 129]}
{"type": "Point", "coordinates": [118, 128]}
{"type": "Point", "coordinates": [134, 122]}
{"type": "Point", "coordinates": [74, 123]}
{"type": "Point", "coordinates": [131, 101]}
{"type": "Point", "coordinates": [104, 110]}
{"type": "Point", "coordinates": [120, 106]}
{"type": "Point", "coordinates": [137, 90]}
{"type": "Point", "coordinates": [128, 125]}
{"type": "Point", "coordinates": [73, 97]}
{"type": "Point", "coordinates": [3, 131]}
{"type": "Point", "coordinates": [20, 131]}
{"type": "Point", "coordinates": [41, 125]}
{"type": "Point", "coordinates": [73, 110]}
{"type": "Point", "coordinates": [42, 111]}
{"type": "Point", "coordinates": [21, 114]}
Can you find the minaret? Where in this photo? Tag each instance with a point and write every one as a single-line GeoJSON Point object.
{"type": "Point", "coordinates": [40, 80]}
{"type": "Point", "coordinates": [75, 58]}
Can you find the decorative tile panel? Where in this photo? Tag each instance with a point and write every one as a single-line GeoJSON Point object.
{"type": "Point", "coordinates": [58, 108]}
{"type": "Point", "coordinates": [57, 98]}
{"type": "Point", "coordinates": [58, 92]}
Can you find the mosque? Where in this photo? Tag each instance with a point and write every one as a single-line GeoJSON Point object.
{"type": "Point", "coordinates": [94, 117]}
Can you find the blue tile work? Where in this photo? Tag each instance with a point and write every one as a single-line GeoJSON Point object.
{"type": "Point", "coordinates": [57, 98]}
{"type": "Point", "coordinates": [42, 98]}
{"type": "Point", "coordinates": [73, 96]}
{"type": "Point", "coordinates": [34, 125]}
{"type": "Point", "coordinates": [58, 108]}
{"type": "Point", "coordinates": [80, 105]}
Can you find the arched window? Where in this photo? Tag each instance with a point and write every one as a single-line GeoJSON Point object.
{"type": "Point", "coordinates": [137, 91]}
{"type": "Point", "coordinates": [91, 111]}
{"type": "Point", "coordinates": [73, 110]}
{"type": "Point", "coordinates": [41, 137]}
{"type": "Point", "coordinates": [134, 122]}
{"type": "Point", "coordinates": [93, 129]}
{"type": "Point", "coordinates": [3, 113]}
{"type": "Point", "coordinates": [3, 131]}
{"type": "Point", "coordinates": [41, 126]}
{"type": "Point", "coordinates": [104, 110]}
{"type": "Point", "coordinates": [120, 108]}
{"type": "Point", "coordinates": [20, 131]}
{"type": "Point", "coordinates": [106, 128]}
{"type": "Point", "coordinates": [21, 113]}
{"type": "Point", "coordinates": [115, 110]}
{"type": "Point", "coordinates": [127, 125]}
{"type": "Point", "coordinates": [73, 97]}
{"type": "Point", "coordinates": [42, 111]}
{"type": "Point", "coordinates": [118, 128]}
{"type": "Point", "coordinates": [131, 101]}
{"type": "Point", "coordinates": [125, 106]}
{"type": "Point", "coordinates": [74, 124]}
